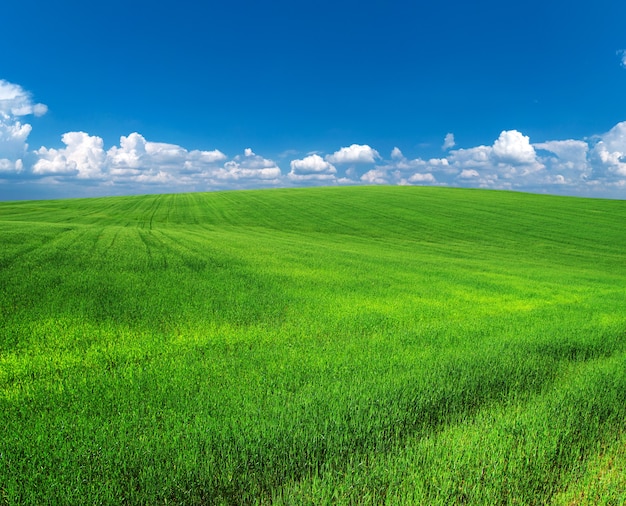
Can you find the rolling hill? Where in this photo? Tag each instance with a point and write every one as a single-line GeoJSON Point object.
{"type": "Point", "coordinates": [365, 345]}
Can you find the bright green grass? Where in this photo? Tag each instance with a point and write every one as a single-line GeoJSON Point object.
{"type": "Point", "coordinates": [316, 346]}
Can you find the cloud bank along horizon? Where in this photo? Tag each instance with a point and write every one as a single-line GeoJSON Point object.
{"type": "Point", "coordinates": [83, 166]}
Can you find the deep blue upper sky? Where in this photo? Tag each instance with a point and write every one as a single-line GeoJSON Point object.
{"type": "Point", "coordinates": [290, 79]}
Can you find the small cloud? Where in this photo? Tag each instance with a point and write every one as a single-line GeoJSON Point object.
{"type": "Point", "coordinates": [396, 154]}
{"type": "Point", "coordinates": [422, 178]}
{"type": "Point", "coordinates": [622, 56]}
{"type": "Point", "coordinates": [468, 174]}
{"type": "Point", "coordinates": [477, 157]}
{"type": "Point", "coordinates": [375, 176]}
{"type": "Point", "coordinates": [356, 153]}
{"type": "Point", "coordinates": [289, 153]}
{"type": "Point", "coordinates": [251, 167]}
{"type": "Point", "coordinates": [15, 101]}
{"type": "Point", "coordinates": [40, 109]}
{"type": "Point", "coordinates": [312, 167]}
{"type": "Point", "coordinates": [448, 142]}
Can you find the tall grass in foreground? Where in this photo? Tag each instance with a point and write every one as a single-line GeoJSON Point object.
{"type": "Point", "coordinates": [344, 346]}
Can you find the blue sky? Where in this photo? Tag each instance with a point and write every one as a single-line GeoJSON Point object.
{"type": "Point", "coordinates": [144, 97]}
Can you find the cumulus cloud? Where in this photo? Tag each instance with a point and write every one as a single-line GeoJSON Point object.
{"type": "Point", "coordinates": [403, 171]}
{"type": "Point", "coordinates": [448, 142]}
{"type": "Point", "coordinates": [572, 150]}
{"type": "Point", "coordinates": [477, 157]}
{"type": "Point", "coordinates": [589, 166]}
{"type": "Point", "coordinates": [511, 156]}
{"type": "Point", "coordinates": [511, 162]}
{"type": "Point", "coordinates": [566, 160]}
{"type": "Point", "coordinates": [396, 154]}
{"type": "Point", "coordinates": [622, 56]}
{"type": "Point", "coordinates": [422, 178]}
{"type": "Point", "coordinates": [401, 163]}
{"type": "Point", "coordinates": [355, 153]}
{"type": "Point", "coordinates": [376, 176]}
{"type": "Point", "coordinates": [135, 160]}
{"type": "Point", "coordinates": [15, 102]}
{"type": "Point", "coordinates": [13, 136]}
{"type": "Point", "coordinates": [83, 156]}
{"type": "Point", "coordinates": [514, 148]}
{"type": "Point", "coordinates": [250, 167]}
{"type": "Point", "coordinates": [468, 174]}
{"type": "Point", "coordinates": [9, 167]}
{"type": "Point", "coordinates": [136, 155]}
{"type": "Point", "coordinates": [197, 161]}
{"type": "Point", "coordinates": [312, 168]}
{"type": "Point", "coordinates": [609, 153]}
{"type": "Point", "coordinates": [131, 155]}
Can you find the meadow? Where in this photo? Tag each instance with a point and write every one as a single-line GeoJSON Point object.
{"type": "Point", "coordinates": [366, 345]}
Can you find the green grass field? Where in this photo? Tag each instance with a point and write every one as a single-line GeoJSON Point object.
{"type": "Point", "coordinates": [366, 345]}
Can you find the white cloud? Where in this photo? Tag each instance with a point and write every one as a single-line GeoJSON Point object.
{"type": "Point", "coordinates": [197, 161]}
{"type": "Point", "coordinates": [312, 167]}
{"type": "Point", "coordinates": [510, 157]}
{"type": "Point", "coordinates": [13, 135]}
{"type": "Point", "coordinates": [477, 157]}
{"type": "Point", "coordinates": [401, 163]}
{"type": "Point", "coordinates": [420, 178]}
{"type": "Point", "coordinates": [568, 156]}
{"type": "Point", "coordinates": [589, 166]}
{"type": "Point", "coordinates": [573, 150]}
{"type": "Point", "coordinates": [83, 157]}
{"type": "Point", "coordinates": [396, 154]}
{"type": "Point", "coordinates": [376, 176]}
{"type": "Point", "coordinates": [15, 101]}
{"type": "Point", "coordinates": [448, 142]}
{"type": "Point", "coordinates": [400, 170]}
{"type": "Point", "coordinates": [135, 160]}
{"type": "Point", "coordinates": [130, 156]}
{"type": "Point", "coordinates": [9, 166]}
{"type": "Point", "coordinates": [250, 167]}
{"type": "Point", "coordinates": [356, 153]}
{"type": "Point", "coordinates": [514, 148]}
{"type": "Point", "coordinates": [136, 155]}
{"type": "Point", "coordinates": [622, 56]}
{"type": "Point", "coordinates": [437, 163]}
{"type": "Point", "coordinates": [609, 154]}
{"type": "Point", "coordinates": [469, 174]}
{"type": "Point", "coordinates": [510, 163]}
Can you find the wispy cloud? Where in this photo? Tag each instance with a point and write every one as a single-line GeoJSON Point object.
{"type": "Point", "coordinates": [448, 142]}
{"type": "Point", "coordinates": [15, 101]}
